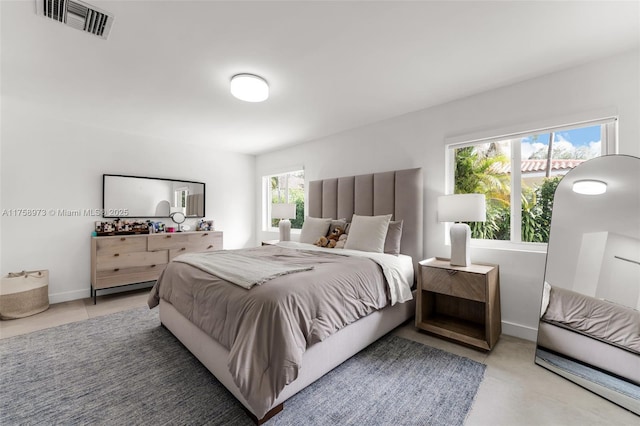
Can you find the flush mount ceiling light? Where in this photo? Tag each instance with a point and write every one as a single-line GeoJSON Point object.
{"type": "Point", "coordinates": [589, 187]}
{"type": "Point", "coordinates": [249, 88]}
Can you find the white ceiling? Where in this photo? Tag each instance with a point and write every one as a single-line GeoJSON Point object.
{"type": "Point", "coordinates": [164, 70]}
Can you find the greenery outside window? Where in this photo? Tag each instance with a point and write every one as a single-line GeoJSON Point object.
{"type": "Point", "coordinates": [519, 173]}
{"type": "Point", "coordinates": [284, 188]}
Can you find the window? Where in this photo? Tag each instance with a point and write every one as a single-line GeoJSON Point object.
{"type": "Point", "coordinates": [180, 199]}
{"type": "Point", "coordinates": [284, 188]}
{"type": "Point", "coordinates": [519, 173]}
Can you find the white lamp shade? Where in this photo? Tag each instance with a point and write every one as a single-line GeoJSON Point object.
{"type": "Point", "coordinates": [283, 211]}
{"type": "Point", "coordinates": [462, 208]}
{"type": "Point", "coordinates": [249, 88]}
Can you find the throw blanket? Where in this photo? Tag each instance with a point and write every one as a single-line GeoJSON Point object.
{"type": "Point", "coordinates": [237, 268]}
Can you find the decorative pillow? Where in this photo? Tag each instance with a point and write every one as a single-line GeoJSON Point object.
{"type": "Point", "coordinates": [367, 233]}
{"type": "Point", "coordinates": [341, 241]}
{"type": "Point", "coordinates": [314, 228]}
{"type": "Point", "coordinates": [394, 236]}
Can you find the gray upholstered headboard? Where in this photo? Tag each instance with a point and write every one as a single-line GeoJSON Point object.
{"type": "Point", "coordinates": [398, 192]}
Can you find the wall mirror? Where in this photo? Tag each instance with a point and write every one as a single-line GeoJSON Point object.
{"type": "Point", "coordinates": [589, 328]}
{"type": "Point", "coordinates": [136, 196]}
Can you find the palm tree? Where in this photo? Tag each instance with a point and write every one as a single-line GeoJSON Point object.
{"type": "Point", "coordinates": [477, 172]}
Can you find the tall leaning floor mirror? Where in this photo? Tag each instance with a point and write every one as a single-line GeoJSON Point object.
{"type": "Point", "coordinates": [589, 329]}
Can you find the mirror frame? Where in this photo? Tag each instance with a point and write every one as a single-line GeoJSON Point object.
{"type": "Point", "coordinates": [616, 396]}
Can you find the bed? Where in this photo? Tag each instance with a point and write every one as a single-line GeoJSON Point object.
{"type": "Point", "coordinates": [575, 324]}
{"type": "Point", "coordinates": [584, 335]}
{"type": "Point", "coordinates": [379, 303]}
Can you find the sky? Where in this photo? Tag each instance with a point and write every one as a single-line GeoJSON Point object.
{"type": "Point", "coordinates": [567, 140]}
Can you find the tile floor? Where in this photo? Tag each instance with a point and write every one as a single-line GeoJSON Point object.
{"type": "Point", "coordinates": [515, 391]}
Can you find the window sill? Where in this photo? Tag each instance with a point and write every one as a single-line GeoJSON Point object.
{"type": "Point", "coordinates": [294, 231]}
{"type": "Point", "coordinates": [509, 246]}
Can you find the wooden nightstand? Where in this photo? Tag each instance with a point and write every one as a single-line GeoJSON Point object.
{"type": "Point", "coordinates": [459, 303]}
{"type": "Point", "coordinates": [270, 242]}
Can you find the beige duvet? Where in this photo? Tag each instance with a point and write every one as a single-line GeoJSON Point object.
{"type": "Point", "coordinates": [268, 328]}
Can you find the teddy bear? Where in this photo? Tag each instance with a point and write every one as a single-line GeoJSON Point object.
{"type": "Point", "coordinates": [332, 239]}
{"type": "Point", "coordinates": [341, 241]}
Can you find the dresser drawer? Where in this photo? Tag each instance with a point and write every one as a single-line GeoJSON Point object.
{"type": "Point", "coordinates": [118, 276]}
{"type": "Point", "coordinates": [112, 245]}
{"type": "Point", "coordinates": [205, 241]}
{"type": "Point", "coordinates": [167, 241]}
{"type": "Point", "coordinates": [130, 260]}
{"type": "Point", "coordinates": [454, 283]}
{"type": "Point", "coordinates": [177, 252]}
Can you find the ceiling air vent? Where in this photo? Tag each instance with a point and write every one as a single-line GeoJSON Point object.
{"type": "Point", "coordinates": [76, 14]}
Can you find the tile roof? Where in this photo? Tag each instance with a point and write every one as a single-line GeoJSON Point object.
{"type": "Point", "coordinates": [536, 166]}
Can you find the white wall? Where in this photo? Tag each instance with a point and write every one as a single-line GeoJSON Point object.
{"type": "Point", "coordinates": [59, 165]}
{"type": "Point", "coordinates": [418, 140]}
{"type": "Point", "coordinates": [619, 280]}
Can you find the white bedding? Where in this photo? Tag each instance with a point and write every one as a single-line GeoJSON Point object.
{"type": "Point", "coordinates": [398, 270]}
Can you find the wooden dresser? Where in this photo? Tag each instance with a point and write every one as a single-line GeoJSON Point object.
{"type": "Point", "coordinates": [129, 259]}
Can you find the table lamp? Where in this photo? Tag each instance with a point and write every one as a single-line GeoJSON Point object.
{"type": "Point", "coordinates": [461, 208]}
{"type": "Point", "coordinates": [284, 212]}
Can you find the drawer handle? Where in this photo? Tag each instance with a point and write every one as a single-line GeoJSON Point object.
{"type": "Point", "coordinates": [122, 239]}
{"type": "Point", "coordinates": [183, 249]}
{"type": "Point", "coordinates": [205, 234]}
{"type": "Point", "coordinates": [452, 272]}
{"type": "Point", "coordinates": [116, 255]}
{"type": "Point", "coordinates": [153, 266]}
{"type": "Point", "coordinates": [116, 269]}
{"type": "Point", "coordinates": [168, 236]}
{"type": "Point", "coordinates": [209, 247]}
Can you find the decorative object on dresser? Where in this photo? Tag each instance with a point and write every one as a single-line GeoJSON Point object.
{"type": "Point", "coordinates": [461, 208]}
{"type": "Point", "coordinates": [122, 227]}
{"type": "Point", "coordinates": [178, 218]}
{"type": "Point", "coordinates": [459, 303]}
{"type": "Point", "coordinates": [122, 260]}
{"type": "Point", "coordinates": [284, 212]}
{"type": "Point", "coordinates": [205, 225]}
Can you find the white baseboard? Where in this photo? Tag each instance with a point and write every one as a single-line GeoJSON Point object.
{"type": "Point", "coordinates": [520, 331]}
{"type": "Point", "coordinates": [67, 296]}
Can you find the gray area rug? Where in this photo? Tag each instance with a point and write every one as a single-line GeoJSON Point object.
{"type": "Point", "coordinates": [125, 369]}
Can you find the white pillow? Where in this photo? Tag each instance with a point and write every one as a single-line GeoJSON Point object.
{"type": "Point", "coordinates": [314, 228]}
{"type": "Point", "coordinates": [368, 233]}
{"type": "Point", "coordinates": [546, 292]}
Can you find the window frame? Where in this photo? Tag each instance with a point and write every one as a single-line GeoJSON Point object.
{"type": "Point", "coordinates": [609, 146]}
{"type": "Point", "coordinates": [180, 195]}
{"type": "Point", "coordinates": [267, 197]}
